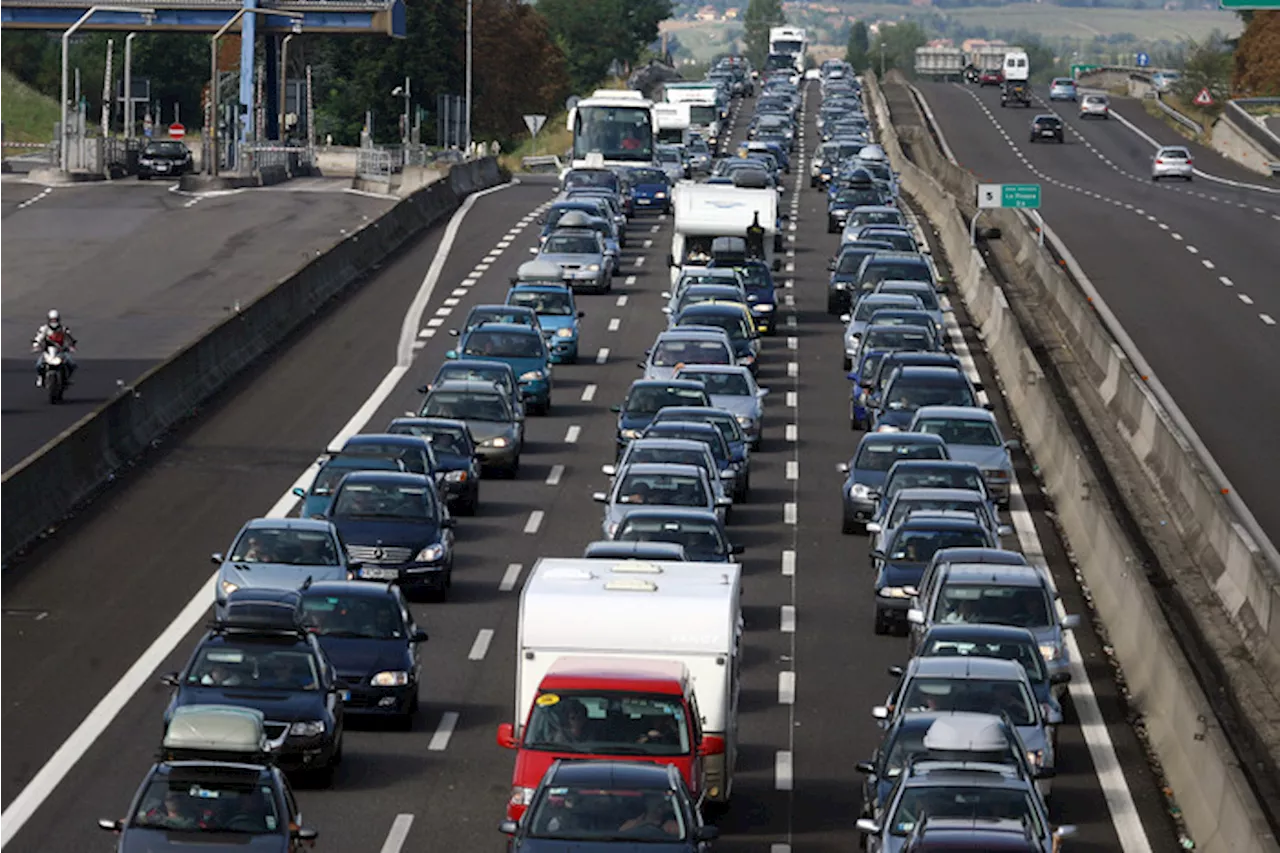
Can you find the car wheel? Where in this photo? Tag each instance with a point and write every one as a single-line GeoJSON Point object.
{"type": "Point", "coordinates": [1188, 179]}
{"type": "Point", "coordinates": [468, 507]}
{"type": "Point", "coordinates": [833, 307]}
{"type": "Point", "coordinates": [847, 363]}
{"type": "Point", "coordinates": [1033, 139]}
{"type": "Point", "coordinates": [831, 229]}
{"type": "Point", "coordinates": [1155, 179]}
{"type": "Point", "coordinates": [880, 626]}
{"type": "Point", "coordinates": [849, 526]}
{"type": "Point", "coordinates": [513, 470]}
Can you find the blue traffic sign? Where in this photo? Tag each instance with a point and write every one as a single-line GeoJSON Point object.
{"type": "Point", "coordinates": [1143, 60]}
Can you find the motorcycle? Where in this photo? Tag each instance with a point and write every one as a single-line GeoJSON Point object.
{"type": "Point", "coordinates": [54, 372]}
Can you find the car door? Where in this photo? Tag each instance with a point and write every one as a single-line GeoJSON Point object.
{"type": "Point", "coordinates": [411, 628]}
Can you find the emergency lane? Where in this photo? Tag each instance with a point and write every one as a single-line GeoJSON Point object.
{"type": "Point", "coordinates": [138, 271]}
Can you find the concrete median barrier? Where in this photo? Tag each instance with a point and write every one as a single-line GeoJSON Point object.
{"type": "Point", "coordinates": [1224, 601]}
{"type": "Point", "coordinates": [43, 489]}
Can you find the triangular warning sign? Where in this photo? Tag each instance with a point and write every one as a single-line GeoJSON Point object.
{"type": "Point", "coordinates": [1204, 99]}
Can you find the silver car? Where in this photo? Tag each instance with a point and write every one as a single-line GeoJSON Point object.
{"type": "Point", "coordinates": [933, 501]}
{"type": "Point", "coordinates": [658, 485]}
{"type": "Point", "coordinates": [680, 346]}
{"type": "Point", "coordinates": [1095, 106]}
{"type": "Point", "coordinates": [734, 389]}
{"type": "Point", "coordinates": [1171, 161]}
{"type": "Point", "coordinates": [580, 254]}
{"type": "Point", "coordinates": [1062, 89]}
{"type": "Point", "coordinates": [671, 451]}
{"type": "Point", "coordinates": [972, 435]}
{"type": "Point", "coordinates": [281, 553]}
{"type": "Point", "coordinates": [858, 321]}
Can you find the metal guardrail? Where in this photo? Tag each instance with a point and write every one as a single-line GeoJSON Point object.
{"type": "Point", "coordinates": [1255, 130]}
{"type": "Point", "coordinates": [374, 164]}
{"type": "Point", "coordinates": [294, 158]}
{"type": "Point", "coordinates": [545, 163]}
{"type": "Point", "coordinates": [1189, 123]}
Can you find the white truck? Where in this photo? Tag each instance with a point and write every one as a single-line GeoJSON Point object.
{"type": "Point", "coordinates": [673, 123]}
{"type": "Point", "coordinates": [940, 63]}
{"type": "Point", "coordinates": [592, 627]}
{"type": "Point", "coordinates": [702, 100]}
{"type": "Point", "coordinates": [706, 212]}
{"type": "Point", "coordinates": [790, 41]}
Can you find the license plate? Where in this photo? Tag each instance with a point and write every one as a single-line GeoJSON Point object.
{"type": "Point", "coordinates": [346, 696]}
{"type": "Point", "coordinates": [1046, 133]}
{"type": "Point", "coordinates": [379, 574]}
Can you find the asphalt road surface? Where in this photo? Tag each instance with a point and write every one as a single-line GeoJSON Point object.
{"type": "Point", "coordinates": [1188, 268]}
{"type": "Point", "coordinates": [138, 271]}
{"type": "Point", "coordinates": [87, 606]}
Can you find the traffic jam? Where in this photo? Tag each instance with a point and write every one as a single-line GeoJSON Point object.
{"type": "Point", "coordinates": [624, 730]}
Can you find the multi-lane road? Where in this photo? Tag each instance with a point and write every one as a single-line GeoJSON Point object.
{"type": "Point", "coordinates": [83, 614]}
{"type": "Point", "coordinates": [140, 270]}
{"type": "Point", "coordinates": [1188, 268]}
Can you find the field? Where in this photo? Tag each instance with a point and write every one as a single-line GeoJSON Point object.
{"type": "Point", "coordinates": [28, 116]}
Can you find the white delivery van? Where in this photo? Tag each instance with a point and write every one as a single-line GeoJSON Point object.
{"type": "Point", "coordinates": [1016, 66]}
{"type": "Point", "coordinates": [638, 615]}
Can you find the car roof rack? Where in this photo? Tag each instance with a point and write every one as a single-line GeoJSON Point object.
{"type": "Point", "coordinates": [216, 733]}
{"type": "Point", "coordinates": [263, 611]}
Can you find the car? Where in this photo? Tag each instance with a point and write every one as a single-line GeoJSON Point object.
{"type": "Point", "coordinates": [500, 373]}
{"type": "Point", "coordinates": [900, 563]}
{"type": "Point", "coordinates": [734, 319]}
{"type": "Point", "coordinates": [699, 533]}
{"type": "Point", "coordinates": [663, 485]}
{"type": "Point", "coordinates": [696, 294]}
{"type": "Point", "coordinates": [1095, 106]}
{"type": "Point", "coordinates": [946, 557]}
{"type": "Point", "coordinates": [960, 683]}
{"type": "Point", "coordinates": [912, 387]}
{"type": "Point", "coordinates": [862, 376]}
{"type": "Point", "coordinates": [645, 398]}
{"type": "Point", "coordinates": [645, 551]}
{"type": "Point", "coordinates": [1046, 126]}
{"type": "Point", "coordinates": [368, 633]}
{"type": "Point", "coordinates": [1172, 161]}
{"type": "Point", "coordinates": [727, 473]}
{"type": "Point", "coordinates": [1163, 81]}
{"type": "Point", "coordinates": [280, 553]}
{"type": "Point", "coordinates": [972, 435]}
{"type": "Point", "coordinates": [1022, 596]}
{"type": "Point", "coordinates": [866, 469]}
{"type": "Point", "coordinates": [899, 237]}
{"type": "Point", "coordinates": [894, 337]}
{"type": "Point", "coordinates": [672, 163]}
{"type": "Point", "coordinates": [558, 316]}
{"type": "Point", "coordinates": [990, 77]}
{"type": "Point", "coordinates": [610, 203]}
{"type": "Point", "coordinates": [699, 155]}
{"type": "Point", "coordinates": [683, 346]}
{"type": "Point", "coordinates": [651, 188]}
{"type": "Point", "coordinates": [580, 254]}
{"type": "Point", "coordinates": [734, 389]}
{"type": "Point", "coordinates": [519, 315]}
{"type": "Point", "coordinates": [842, 205]}
{"type": "Point", "coordinates": [164, 158]}
{"type": "Point", "coordinates": [259, 656]}
{"type": "Point", "coordinates": [333, 467]}
{"type": "Point", "coordinates": [1062, 89]}
{"type": "Point", "coordinates": [898, 266]}
{"type": "Point", "coordinates": [907, 501]}
{"type": "Point", "coordinates": [587, 213]}
{"type": "Point", "coordinates": [842, 290]}
{"type": "Point", "coordinates": [399, 530]}
{"type": "Point", "coordinates": [521, 347]}
{"type": "Point", "coordinates": [593, 806]}
{"type": "Point", "coordinates": [926, 293]}
{"type": "Point", "coordinates": [581, 177]}
{"type": "Point", "coordinates": [931, 474]}
{"type": "Point", "coordinates": [738, 459]}
{"type": "Point", "coordinates": [757, 280]}
{"type": "Point", "coordinates": [857, 320]}
{"type": "Point", "coordinates": [213, 754]}
{"type": "Point", "coordinates": [874, 379]}
{"type": "Point", "coordinates": [496, 429]}
{"type": "Point", "coordinates": [680, 451]}
{"type": "Point", "coordinates": [456, 458]}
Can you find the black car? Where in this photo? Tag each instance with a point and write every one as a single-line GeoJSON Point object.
{"type": "Point", "coordinates": [368, 634]}
{"type": "Point", "coordinates": [164, 158]}
{"type": "Point", "coordinates": [646, 396]}
{"type": "Point", "coordinates": [597, 806]}
{"type": "Point", "coordinates": [399, 528]}
{"type": "Point", "coordinates": [841, 287]}
{"type": "Point", "coordinates": [1046, 127]}
{"type": "Point", "coordinates": [259, 656]}
{"type": "Point", "coordinates": [846, 200]}
{"type": "Point", "coordinates": [456, 460]}
{"type": "Point", "coordinates": [215, 788]}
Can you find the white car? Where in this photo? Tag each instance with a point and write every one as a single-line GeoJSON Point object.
{"type": "Point", "coordinates": [1171, 161]}
{"type": "Point", "coordinates": [1095, 106]}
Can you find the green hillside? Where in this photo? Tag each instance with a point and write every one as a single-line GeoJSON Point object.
{"type": "Point", "coordinates": [28, 115]}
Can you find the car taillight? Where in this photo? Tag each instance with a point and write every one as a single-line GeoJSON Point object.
{"type": "Point", "coordinates": [1189, 161]}
{"type": "Point", "coordinates": [1159, 162]}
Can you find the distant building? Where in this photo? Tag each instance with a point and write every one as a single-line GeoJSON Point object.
{"type": "Point", "coordinates": [706, 13]}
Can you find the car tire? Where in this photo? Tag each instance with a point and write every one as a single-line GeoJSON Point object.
{"type": "Point", "coordinates": [847, 363]}
{"type": "Point", "coordinates": [831, 229]}
{"type": "Point", "coordinates": [1188, 178]}
{"type": "Point", "coordinates": [1033, 139]}
{"type": "Point", "coordinates": [848, 526]}
{"type": "Point", "coordinates": [879, 625]}
{"type": "Point", "coordinates": [512, 471]}
{"type": "Point", "coordinates": [1155, 179]}
{"type": "Point", "coordinates": [469, 506]}
{"type": "Point", "coordinates": [833, 307]}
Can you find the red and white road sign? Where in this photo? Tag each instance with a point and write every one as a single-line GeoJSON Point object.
{"type": "Point", "coordinates": [177, 131]}
{"type": "Point", "coordinates": [1204, 99]}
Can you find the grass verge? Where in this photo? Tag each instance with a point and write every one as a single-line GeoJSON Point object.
{"type": "Point", "coordinates": [28, 115]}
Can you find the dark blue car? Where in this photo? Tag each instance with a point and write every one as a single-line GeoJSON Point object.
{"type": "Point", "coordinates": [650, 190]}
{"type": "Point", "coordinates": [646, 397]}
{"type": "Point", "coordinates": [456, 459]}
{"type": "Point", "coordinates": [762, 299]}
{"type": "Point", "coordinates": [912, 387]}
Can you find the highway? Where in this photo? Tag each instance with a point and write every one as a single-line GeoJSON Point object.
{"type": "Point", "coordinates": [138, 271]}
{"type": "Point", "coordinates": [1189, 269]}
{"type": "Point", "coordinates": [86, 606]}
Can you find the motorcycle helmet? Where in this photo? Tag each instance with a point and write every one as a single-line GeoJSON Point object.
{"type": "Point", "coordinates": [55, 319]}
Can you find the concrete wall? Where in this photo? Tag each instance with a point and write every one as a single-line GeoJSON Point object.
{"type": "Point", "coordinates": [1221, 810]}
{"type": "Point", "coordinates": [1230, 141]}
{"type": "Point", "coordinates": [39, 492]}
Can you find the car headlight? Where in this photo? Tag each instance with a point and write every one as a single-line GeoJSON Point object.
{"type": "Point", "coordinates": [307, 728]}
{"type": "Point", "coordinates": [887, 428]}
{"type": "Point", "coordinates": [390, 678]}
{"type": "Point", "coordinates": [858, 490]}
{"type": "Point", "coordinates": [745, 421]}
{"type": "Point", "coordinates": [228, 587]}
{"type": "Point", "coordinates": [839, 285]}
{"type": "Point", "coordinates": [521, 796]}
{"type": "Point", "coordinates": [631, 433]}
{"type": "Point", "coordinates": [746, 360]}
{"type": "Point", "coordinates": [565, 332]}
{"type": "Point", "coordinates": [1036, 757]}
{"type": "Point", "coordinates": [593, 268]}
{"type": "Point", "coordinates": [430, 554]}
{"type": "Point", "coordinates": [995, 473]}
{"type": "Point", "coordinates": [764, 308]}
{"type": "Point", "coordinates": [892, 592]}
{"type": "Point", "coordinates": [612, 528]}
{"type": "Point", "coordinates": [659, 195]}
{"type": "Point", "coordinates": [531, 376]}
{"type": "Point", "coordinates": [499, 441]}
{"type": "Point", "coordinates": [1050, 651]}
{"type": "Point", "coordinates": [145, 162]}
{"type": "Point", "coordinates": [455, 477]}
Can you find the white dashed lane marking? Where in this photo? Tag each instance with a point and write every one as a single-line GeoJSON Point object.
{"type": "Point", "coordinates": [509, 577]}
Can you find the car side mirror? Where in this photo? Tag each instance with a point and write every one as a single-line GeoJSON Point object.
{"type": "Point", "coordinates": [877, 554]}
{"type": "Point", "coordinates": [299, 491]}
{"type": "Point", "coordinates": [727, 475]}
{"type": "Point", "coordinates": [1013, 444]}
{"type": "Point", "coordinates": [874, 527]}
{"type": "Point", "coordinates": [666, 294]}
{"type": "Point", "coordinates": [599, 497]}
{"type": "Point", "coordinates": [844, 318]}
{"type": "Point", "coordinates": [988, 407]}
{"type": "Point", "coordinates": [581, 314]}
{"type": "Point", "coordinates": [711, 745]}
{"type": "Point", "coordinates": [880, 712]}
{"type": "Point", "coordinates": [666, 309]}
{"type": "Point", "coordinates": [448, 523]}
{"type": "Point", "coordinates": [454, 333]}
{"type": "Point", "coordinates": [915, 616]}
{"type": "Point", "coordinates": [422, 389]}
{"type": "Point", "coordinates": [508, 827]}
{"type": "Point", "coordinates": [777, 265]}
{"type": "Point", "coordinates": [169, 679]}
{"type": "Point", "coordinates": [533, 250]}
{"type": "Point", "coordinates": [616, 407]}
{"type": "Point", "coordinates": [737, 549]}
{"type": "Point", "coordinates": [842, 467]}
{"type": "Point", "coordinates": [1070, 622]}
{"type": "Point", "coordinates": [110, 825]}
{"type": "Point", "coordinates": [722, 502]}
{"type": "Point", "coordinates": [762, 393]}
{"type": "Point", "coordinates": [708, 833]}
{"type": "Point", "coordinates": [831, 265]}
{"type": "Point", "coordinates": [1004, 530]}
{"type": "Point", "coordinates": [304, 833]}
{"type": "Point", "coordinates": [610, 470]}
{"type": "Point", "coordinates": [216, 558]}
{"type": "Point", "coordinates": [453, 353]}
{"type": "Point", "coordinates": [418, 636]}
{"type": "Point", "coordinates": [1060, 677]}
{"type": "Point", "coordinates": [865, 767]}
{"type": "Point", "coordinates": [507, 736]}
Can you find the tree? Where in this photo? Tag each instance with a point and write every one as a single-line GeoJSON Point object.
{"type": "Point", "coordinates": [898, 43]}
{"type": "Point", "coordinates": [593, 33]}
{"type": "Point", "coordinates": [856, 52]}
{"type": "Point", "coordinates": [1209, 66]}
{"type": "Point", "coordinates": [761, 16]}
{"type": "Point", "coordinates": [1256, 71]}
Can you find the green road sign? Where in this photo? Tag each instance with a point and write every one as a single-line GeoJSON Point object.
{"type": "Point", "coordinates": [1019, 195]}
{"type": "Point", "coordinates": [1245, 5]}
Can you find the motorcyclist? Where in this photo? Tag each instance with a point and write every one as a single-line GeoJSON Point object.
{"type": "Point", "coordinates": [54, 333]}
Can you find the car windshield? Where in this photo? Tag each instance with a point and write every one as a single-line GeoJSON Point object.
{"type": "Point", "coordinates": [333, 472]}
{"type": "Point", "coordinates": [897, 338]}
{"type": "Point", "coordinates": [165, 149]}
{"type": "Point", "coordinates": [647, 400]}
{"type": "Point", "coordinates": [899, 317]}
{"type": "Point", "coordinates": [855, 197]}
{"type": "Point", "coordinates": [875, 217]}
{"type": "Point", "coordinates": [668, 156]}
{"type": "Point", "coordinates": [900, 241]}
{"type": "Point", "coordinates": [927, 296]}
{"type": "Point", "coordinates": [497, 315]}
{"type": "Point", "coordinates": [943, 802]}
{"type": "Point", "coordinates": [221, 665]}
{"type": "Point", "coordinates": [412, 458]}
{"type": "Point", "coordinates": [566, 244]}
{"type": "Point", "coordinates": [699, 538]}
{"type": "Point", "coordinates": [578, 178]}
{"type": "Point", "coordinates": [674, 352]}
{"type": "Point", "coordinates": [499, 377]}
{"type": "Point", "coordinates": [905, 507]}
{"type": "Point", "coordinates": [919, 545]}
{"type": "Point", "coordinates": [880, 456]}
{"type": "Point", "coordinates": [466, 407]}
{"type": "Point", "coordinates": [663, 489]}
{"type": "Point", "coordinates": [878, 272]}
{"type": "Point", "coordinates": [648, 176]}
{"type": "Point", "coordinates": [867, 307]}
{"type": "Point", "coordinates": [357, 617]}
{"type": "Point", "coordinates": [672, 455]}
{"type": "Point", "coordinates": [503, 344]}
{"type": "Point", "coordinates": [444, 439]}
{"type": "Point", "coordinates": [975, 695]}
{"type": "Point", "coordinates": [626, 816]}
{"type": "Point", "coordinates": [180, 805]}
{"type": "Point", "coordinates": [934, 478]}
{"type": "Point", "coordinates": [604, 723]}
{"type": "Point", "coordinates": [911, 395]}
{"type": "Point", "coordinates": [734, 325]}
{"type": "Point", "coordinates": [961, 431]}
{"type": "Point", "coordinates": [385, 500]}
{"type": "Point", "coordinates": [851, 260]}
{"type": "Point", "coordinates": [1174, 153]}
{"type": "Point", "coordinates": [1026, 653]}
{"type": "Point", "coordinates": [723, 384]}
{"type": "Point", "coordinates": [552, 302]}
{"type": "Point", "coordinates": [1020, 606]}
{"type": "Point", "coordinates": [280, 545]}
